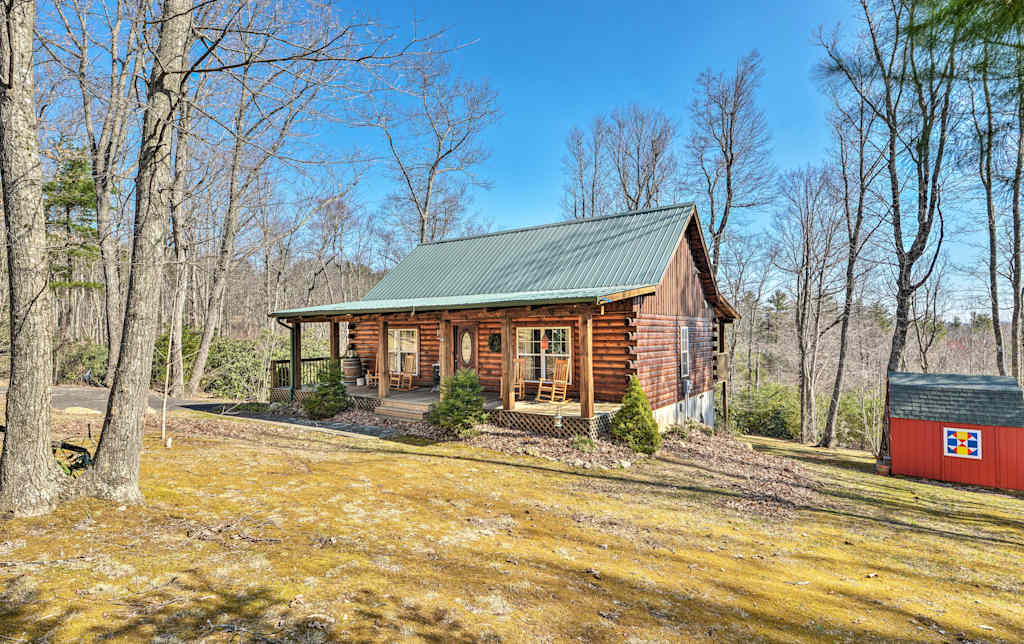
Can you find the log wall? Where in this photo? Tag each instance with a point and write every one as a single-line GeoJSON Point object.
{"type": "Point", "coordinates": [611, 343]}
{"type": "Point", "coordinates": [656, 356]}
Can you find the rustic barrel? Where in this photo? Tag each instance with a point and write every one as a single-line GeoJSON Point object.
{"type": "Point", "coordinates": [351, 369]}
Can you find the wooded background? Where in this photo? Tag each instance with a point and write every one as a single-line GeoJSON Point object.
{"type": "Point", "coordinates": [840, 267]}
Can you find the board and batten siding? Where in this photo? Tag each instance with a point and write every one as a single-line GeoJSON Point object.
{"type": "Point", "coordinates": [917, 450]}
{"type": "Point", "coordinates": [678, 302]}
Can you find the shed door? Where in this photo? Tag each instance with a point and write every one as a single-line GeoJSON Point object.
{"type": "Point", "coordinates": [465, 347]}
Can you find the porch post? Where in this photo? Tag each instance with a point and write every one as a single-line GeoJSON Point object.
{"type": "Point", "coordinates": [508, 399]}
{"type": "Point", "coordinates": [335, 338]}
{"type": "Point", "coordinates": [445, 350]}
{"type": "Point", "coordinates": [383, 377]}
{"type": "Point", "coordinates": [587, 365]}
{"type": "Point", "coordinates": [296, 360]}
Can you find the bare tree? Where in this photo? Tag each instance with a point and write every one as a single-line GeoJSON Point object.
{"type": "Point", "coordinates": [585, 168]}
{"type": "Point", "coordinates": [729, 146]}
{"type": "Point", "coordinates": [29, 476]}
{"type": "Point", "coordinates": [433, 123]}
{"type": "Point", "coordinates": [857, 166]}
{"type": "Point", "coordinates": [908, 84]}
{"type": "Point", "coordinates": [927, 307]}
{"type": "Point", "coordinates": [269, 103]}
{"type": "Point", "coordinates": [641, 157]}
{"type": "Point", "coordinates": [808, 234]}
{"type": "Point", "coordinates": [114, 474]}
{"type": "Point", "coordinates": [108, 108]}
{"type": "Point", "coordinates": [985, 130]}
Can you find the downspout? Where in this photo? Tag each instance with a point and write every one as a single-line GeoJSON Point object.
{"type": "Point", "coordinates": [291, 362]}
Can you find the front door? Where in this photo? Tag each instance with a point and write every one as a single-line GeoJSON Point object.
{"type": "Point", "coordinates": [465, 347]}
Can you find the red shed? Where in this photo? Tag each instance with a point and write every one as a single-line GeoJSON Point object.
{"type": "Point", "coordinates": [965, 429]}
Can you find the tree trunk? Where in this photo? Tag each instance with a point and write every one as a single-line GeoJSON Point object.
{"type": "Point", "coordinates": [111, 260]}
{"type": "Point", "coordinates": [181, 254]}
{"type": "Point", "coordinates": [30, 481]}
{"type": "Point", "coordinates": [828, 437]}
{"type": "Point", "coordinates": [1017, 312]}
{"type": "Point", "coordinates": [115, 472]}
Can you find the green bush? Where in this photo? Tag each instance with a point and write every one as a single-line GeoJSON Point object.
{"type": "Point", "coordinates": [463, 405]}
{"type": "Point", "coordinates": [770, 410]}
{"type": "Point", "coordinates": [190, 339]}
{"type": "Point", "coordinates": [330, 396]}
{"type": "Point", "coordinates": [856, 409]}
{"type": "Point", "coordinates": [235, 369]}
{"type": "Point", "coordinates": [79, 358]}
{"type": "Point", "coordinates": [634, 423]}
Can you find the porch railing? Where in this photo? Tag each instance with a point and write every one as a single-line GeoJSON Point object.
{"type": "Point", "coordinates": [312, 370]}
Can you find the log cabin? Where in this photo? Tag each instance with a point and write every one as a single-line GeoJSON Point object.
{"type": "Point", "coordinates": [630, 294]}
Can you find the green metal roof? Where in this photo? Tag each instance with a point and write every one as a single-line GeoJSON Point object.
{"type": "Point", "coordinates": [956, 398]}
{"type": "Point", "coordinates": [460, 301]}
{"type": "Point", "coordinates": [571, 261]}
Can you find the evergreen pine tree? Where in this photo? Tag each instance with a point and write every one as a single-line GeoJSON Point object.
{"type": "Point", "coordinates": [634, 423]}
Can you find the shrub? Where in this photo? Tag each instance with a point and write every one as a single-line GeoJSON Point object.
{"type": "Point", "coordinates": [189, 346]}
{"type": "Point", "coordinates": [80, 358]}
{"type": "Point", "coordinates": [463, 404]}
{"type": "Point", "coordinates": [634, 423]}
{"type": "Point", "coordinates": [330, 396]}
{"type": "Point", "coordinates": [235, 369]}
{"type": "Point", "coordinates": [582, 443]}
{"type": "Point", "coordinates": [769, 410]}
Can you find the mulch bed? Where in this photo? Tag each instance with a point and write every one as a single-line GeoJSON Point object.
{"type": "Point", "coordinates": [765, 483]}
{"type": "Point", "coordinates": [602, 454]}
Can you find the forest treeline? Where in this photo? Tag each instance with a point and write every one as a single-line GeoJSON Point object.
{"type": "Point", "coordinates": [166, 185]}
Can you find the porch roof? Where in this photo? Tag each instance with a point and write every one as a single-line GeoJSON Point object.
{"type": "Point", "coordinates": [595, 295]}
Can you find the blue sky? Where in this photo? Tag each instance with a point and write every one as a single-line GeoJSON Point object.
{"type": "Point", "coordinates": [557, 66]}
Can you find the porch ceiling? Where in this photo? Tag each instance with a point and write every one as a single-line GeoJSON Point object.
{"type": "Point", "coordinates": [596, 295]}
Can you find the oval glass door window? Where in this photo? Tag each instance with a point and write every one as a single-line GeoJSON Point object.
{"type": "Point", "coordinates": [467, 347]}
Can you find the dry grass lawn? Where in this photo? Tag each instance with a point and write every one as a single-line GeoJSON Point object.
{"type": "Point", "coordinates": [255, 533]}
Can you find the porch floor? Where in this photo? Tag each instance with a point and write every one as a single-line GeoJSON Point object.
{"type": "Point", "coordinates": [492, 401]}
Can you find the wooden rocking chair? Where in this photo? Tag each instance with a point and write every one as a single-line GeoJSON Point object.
{"type": "Point", "coordinates": [403, 381]}
{"type": "Point", "coordinates": [518, 378]}
{"type": "Point", "coordinates": [371, 374]}
{"type": "Point", "coordinates": [555, 389]}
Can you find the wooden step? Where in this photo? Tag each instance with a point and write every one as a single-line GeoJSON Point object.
{"type": "Point", "coordinates": [401, 414]}
{"type": "Point", "coordinates": [405, 405]}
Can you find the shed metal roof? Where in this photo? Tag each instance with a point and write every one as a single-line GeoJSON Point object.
{"type": "Point", "coordinates": [571, 261]}
{"type": "Point", "coordinates": [957, 398]}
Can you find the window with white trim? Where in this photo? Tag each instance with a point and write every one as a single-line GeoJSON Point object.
{"type": "Point", "coordinates": [684, 352]}
{"type": "Point", "coordinates": [403, 351]}
{"type": "Point", "coordinates": [539, 347]}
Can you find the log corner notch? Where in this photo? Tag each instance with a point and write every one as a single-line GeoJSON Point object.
{"type": "Point", "coordinates": [508, 399]}
{"type": "Point", "coordinates": [383, 376]}
{"type": "Point", "coordinates": [586, 323]}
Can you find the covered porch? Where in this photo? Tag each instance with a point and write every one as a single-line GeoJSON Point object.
{"type": "Point", "coordinates": [438, 341]}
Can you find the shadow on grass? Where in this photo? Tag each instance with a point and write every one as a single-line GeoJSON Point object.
{"type": "Point", "coordinates": [193, 609]}
{"type": "Point", "coordinates": [657, 482]}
